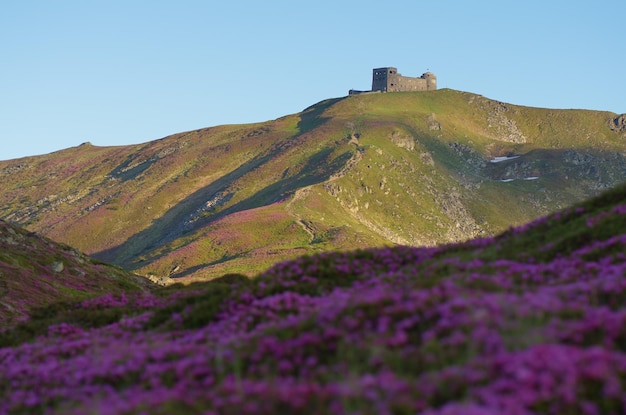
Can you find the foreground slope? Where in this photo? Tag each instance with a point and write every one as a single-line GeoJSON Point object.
{"type": "Point", "coordinates": [532, 321]}
{"type": "Point", "coordinates": [35, 272]}
{"type": "Point", "coordinates": [368, 170]}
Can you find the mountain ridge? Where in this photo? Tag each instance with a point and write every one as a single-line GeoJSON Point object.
{"type": "Point", "coordinates": [368, 170]}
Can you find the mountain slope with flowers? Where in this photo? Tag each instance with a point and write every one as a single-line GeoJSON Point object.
{"type": "Point", "coordinates": [369, 170]}
{"type": "Point", "coordinates": [36, 271]}
{"type": "Point", "coordinates": [532, 321]}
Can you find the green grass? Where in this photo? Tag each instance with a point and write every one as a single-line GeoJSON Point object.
{"type": "Point", "coordinates": [567, 231]}
{"type": "Point", "coordinates": [129, 205]}
{"type": "Point", "coordinates": [31, 280]}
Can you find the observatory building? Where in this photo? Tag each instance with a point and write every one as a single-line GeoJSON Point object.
{"type": "Point", "coordinates": [389, 80]}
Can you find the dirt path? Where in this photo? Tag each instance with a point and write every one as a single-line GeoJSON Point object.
{"type": "Point", "coordinates": [298, 195]}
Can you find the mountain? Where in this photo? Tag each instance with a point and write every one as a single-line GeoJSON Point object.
{"type": "Point", "coordinates": [531, 321]}
{"type": "Point", "coordinates": [36, 271]}
{"type": "Point", "coordinates": [368, 170]}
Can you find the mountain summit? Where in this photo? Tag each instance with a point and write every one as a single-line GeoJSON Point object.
{"type": "Point", "coordinates": [414, 168]}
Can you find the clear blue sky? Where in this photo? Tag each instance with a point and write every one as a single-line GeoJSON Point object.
{"type": "Point", "coordinates": [128, 71]}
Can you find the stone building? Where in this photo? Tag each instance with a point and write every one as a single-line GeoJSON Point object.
{"type": "Point", "coordinates": [389, 80]}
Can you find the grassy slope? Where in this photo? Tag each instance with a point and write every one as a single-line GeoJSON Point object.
{"type": "Point", "coordinates": [35, 272]}
{"type": "Point", "coordinates": [367, 170]}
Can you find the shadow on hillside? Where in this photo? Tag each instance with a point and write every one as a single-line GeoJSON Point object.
{"type": "Point", "coordinates": [175, 223]}
{"type": "Point", "coordinates": [318, 168]}
{"type": "Point", "coordinates": [172, 224]}
{"type": "Point", "coordinates": [311, 117]}
{"type": "Point", "coordinates": [189, 271]}
{"type": "Point", "coordinates": [597, 168]}
{"type": "Point", "coordinates": [162, 231]}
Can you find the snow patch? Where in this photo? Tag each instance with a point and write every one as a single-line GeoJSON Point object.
{"type": "Point", "coordinates": [525, 178]}
{"type": "Point", "coordinates": [501, 159]}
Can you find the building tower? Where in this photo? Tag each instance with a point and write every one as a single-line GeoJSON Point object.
{"type": "Point", "coordinates": [431, 81]}
{"type": "Point", "coordinates": [381, 78]}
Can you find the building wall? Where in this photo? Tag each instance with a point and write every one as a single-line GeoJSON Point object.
{"type": "Point", "coordinates": [402, 83]}
{"type": "Point", "coordinates": [389, 80]}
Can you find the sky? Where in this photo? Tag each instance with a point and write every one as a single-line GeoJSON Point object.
{"type": "Point", "coordinates": [121, 72]}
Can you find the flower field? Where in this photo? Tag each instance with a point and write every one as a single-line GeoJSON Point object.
{"type": "Point", "coordinates": [532, 321]}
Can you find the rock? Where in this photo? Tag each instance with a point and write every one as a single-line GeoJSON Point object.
{"type": "Point", "coordinates": [7, 306]}
{"type": "Point", "coordinates": [13, 169]}
{"type": "Point", "coordinates": [403, 140]}
{"type": "Point", "coordinates": [618, 123]}
{"type": "Point", "coordinates": [433, 124]}
{"type": "Point", "coordinates": [505, 128]}
{"type": "Point", "coordinates": [577, 158]}
{"type": "Point", "coordinates": [160, 280]}
{"type": "Point", "coordinates": [58, 266]}
{"type": "Point", "coordinates": [426, 158]}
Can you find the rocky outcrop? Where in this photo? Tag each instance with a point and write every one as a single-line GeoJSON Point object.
{"type": "Point", "coordinates": [13, 169]}
{"type": "Point", "coordinates": [452, 204]}
{"type": "Point", "coordinates": [500, 125]}
{"type": "Point", "coordinates": [506, 128]}
{"type": "Point", "coordinates": [433, 124]}
{"type": "Point", "coordinates": [468, 154]}
{"type": "Point", "coordinates": [618, 123]}
{"type": "Point", "coordinates": [403, 140]}
{"type": "Point", "coordinates": [577, 158]}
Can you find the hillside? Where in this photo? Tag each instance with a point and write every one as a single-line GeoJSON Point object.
{"type": "Point", "coordinates": [532, 321]}
{"type": "Point", "coordinates": [361, 171]}
{"type": "Point", "coordinates": [36, 272]}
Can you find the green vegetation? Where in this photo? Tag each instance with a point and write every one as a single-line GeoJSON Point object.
{"type": "Point", "coordinates": [345, 173]}
{"type": "Point", "coordinates": [37, 272]}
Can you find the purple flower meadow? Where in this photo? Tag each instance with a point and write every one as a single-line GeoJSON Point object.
{"type": "Point", "coordinates": [459, 329]}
